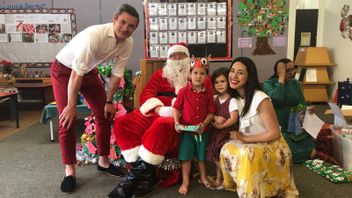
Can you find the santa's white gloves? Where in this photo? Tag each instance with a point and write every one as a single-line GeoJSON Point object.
{"type": "Point", "coordinates": [166, 111]}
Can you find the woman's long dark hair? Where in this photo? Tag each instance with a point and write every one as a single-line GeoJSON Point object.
{"type": "Point", "coordinates": [252, 83]}
{"type": "Point", "coordinates": [283, 60]}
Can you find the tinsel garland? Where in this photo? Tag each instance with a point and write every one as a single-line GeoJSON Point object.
{"type": "Point", "coordinates": [170, 164]}
{"type": "Point", "coordinates": [124, 94]}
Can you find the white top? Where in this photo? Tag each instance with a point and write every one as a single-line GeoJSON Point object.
{"type": "Point", "coordinates": [93, 46]}
{"type": "Point", "coordinates": [233, 103]}
{"type": "Point", "coordinates": [251, 123]}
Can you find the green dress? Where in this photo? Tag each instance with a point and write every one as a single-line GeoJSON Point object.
{"type": "Point", "coordinates": [284, 97]}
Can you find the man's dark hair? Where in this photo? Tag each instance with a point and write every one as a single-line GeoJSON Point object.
{"type": "Point", "coordinates": [128, 9]}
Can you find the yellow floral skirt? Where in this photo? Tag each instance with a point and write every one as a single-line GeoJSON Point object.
{"type": "Point", "coordinates": [258, 170]}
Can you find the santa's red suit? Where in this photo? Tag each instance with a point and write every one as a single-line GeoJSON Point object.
{"type": "Point", "coordinates": [146, 137]}
{"type": "Point", "coordinates": [143, 133]}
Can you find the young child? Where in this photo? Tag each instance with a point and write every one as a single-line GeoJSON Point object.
{"type": "Point", "coordinates": [225, 119]}
{"type": "Point", "coordinates": [195, 103]}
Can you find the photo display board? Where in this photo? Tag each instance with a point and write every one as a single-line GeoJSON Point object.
{"type": "Point", "coordinates": [35, 35]}
{"type": "Point", "coordinates": [204, 26]}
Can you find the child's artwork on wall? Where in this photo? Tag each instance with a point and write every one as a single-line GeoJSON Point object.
{"type": "Point", "coordinates": [35, 35]}
{"type": "Point", "coordinates": [263, 19]}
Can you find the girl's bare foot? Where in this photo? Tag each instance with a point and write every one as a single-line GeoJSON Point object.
{"type": "Point", "coordinates": [218, 182]}
{"type": "Point", "coordinates": [205, 182]}
{"type": "Point", "coordinates": [183, 188]}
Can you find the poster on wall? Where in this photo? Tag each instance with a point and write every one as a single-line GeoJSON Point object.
{"type": "Point", "coordinates": [263, 19]}
{"type": "Point", "coordinates": [31, 36]}
{"type": "Point", "coordinates": [305, 39]}
{"type": "Point", "coordinates": [204, 26]}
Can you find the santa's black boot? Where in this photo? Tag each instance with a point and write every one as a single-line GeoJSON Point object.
{"type": "Point", "coordinates": [147, 182]}
{"type": "Point", "coordinates": [139, 182]}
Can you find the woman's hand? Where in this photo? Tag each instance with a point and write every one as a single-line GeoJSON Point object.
{"type": "Point", "coordinates": [235, 135]}
{"type": "Point", "coordinates": [311, 109]}
{"type": "Point", "coordinates": [281, 72]}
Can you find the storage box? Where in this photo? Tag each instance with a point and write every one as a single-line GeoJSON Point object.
{"type": "Point", "coordinates": [342, 147]}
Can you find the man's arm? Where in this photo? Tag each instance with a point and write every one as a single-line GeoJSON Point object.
{"type": "Point", "coordinates": [69, 113]}
{"type": "Point", "coordinates": [109, 109]}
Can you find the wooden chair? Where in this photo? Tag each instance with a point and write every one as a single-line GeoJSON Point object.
{"type": "Point", "coordinates": [147, 68]}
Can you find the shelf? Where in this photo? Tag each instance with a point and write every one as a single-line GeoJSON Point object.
{"type": "Point", "coordinates": [313, 63]}
{"type": "Point", "coordinates": [319, 65]}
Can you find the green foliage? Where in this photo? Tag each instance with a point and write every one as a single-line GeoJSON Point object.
{"type": "Point", "coordinates": [124, 94]}
{"type": "Point", "coordinates": [263, 18]}
{"type": "Point", "coordinates": [299, 107]}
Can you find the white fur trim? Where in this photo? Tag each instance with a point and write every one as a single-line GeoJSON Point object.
{"type": "Point", "coordinates": [173, 102]}
{"type": "Point", "coordinates": [150, 104]}
{"type": "Point", "coordinates": [166, 111]}
{"type": "Point", "coordinates": [131, 155]}
{"type": "Point", "coordinates": [150, 157]}
{"type": "Point", "coordinates": [177, 48]}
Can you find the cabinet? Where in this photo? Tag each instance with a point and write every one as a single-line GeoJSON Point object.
{"type": "Point", "coordinates": [312, 67]}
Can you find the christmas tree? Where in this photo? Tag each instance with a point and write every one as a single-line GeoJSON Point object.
{"type": "Point", "coordinates": [87, 149]}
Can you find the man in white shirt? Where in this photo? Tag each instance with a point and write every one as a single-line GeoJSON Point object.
{"type": "Point", "coordinates": [74, 70]}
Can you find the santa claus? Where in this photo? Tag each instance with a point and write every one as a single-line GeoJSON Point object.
{"type": "Point", "coordinates": [146, 135]}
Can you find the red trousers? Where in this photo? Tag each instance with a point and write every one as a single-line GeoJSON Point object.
{"type": "Point", "coordinates": [93, 91]}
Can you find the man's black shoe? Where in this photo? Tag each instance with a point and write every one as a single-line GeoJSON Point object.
{"type": "Point", "coordinates": [111, 170]}
{"type": "Point", "coordinates": [68, 184]}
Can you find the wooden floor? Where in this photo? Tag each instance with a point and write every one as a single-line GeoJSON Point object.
{"type": "Point", "coordinates": [28, 115]}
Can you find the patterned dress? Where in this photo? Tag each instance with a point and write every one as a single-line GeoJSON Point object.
{"type": "Point", "coordinates": [257, 169]}
{"type": "Point", "coordinates": [284, 97]}
{"type": "Point", "coordinates": [218, 137]}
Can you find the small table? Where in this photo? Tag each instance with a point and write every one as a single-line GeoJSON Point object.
{"type": "Point", "coordinates": [13, 101]}
{"type": "Point", "coordinates": [50, 112]}
{"type": "Point", "coordinates": [45, 89]}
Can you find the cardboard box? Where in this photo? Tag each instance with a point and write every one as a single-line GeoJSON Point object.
{"type": "Point", "coordinates": [342, 148]}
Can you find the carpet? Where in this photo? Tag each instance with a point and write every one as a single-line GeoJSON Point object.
{"type": "Point", "coordinates": [31, 167]}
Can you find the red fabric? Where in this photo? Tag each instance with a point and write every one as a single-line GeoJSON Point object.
{"type": "Point", "coordinates": [193, 105]}
{"type": "Point", "coordinates": [168, 178]}
{"type": "Point", "coordinates": [157, 83]}
{"type": "Point", "coordinates": [92, 87]}
{"type": "Point", "coordinates": [323, 145]}
{"type": "Point", "coordinates": [156, 134]}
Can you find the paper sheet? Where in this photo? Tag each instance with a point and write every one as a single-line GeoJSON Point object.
{"type": "Point", "coordinates": [312, 124]}
{"type": "Point", "coordinates": [339, 119]}
{"type": "Point", "coordinates": [311, 75]}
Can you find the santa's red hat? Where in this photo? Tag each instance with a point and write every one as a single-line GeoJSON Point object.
{"type": "Point", "coordinates": [178, 47]}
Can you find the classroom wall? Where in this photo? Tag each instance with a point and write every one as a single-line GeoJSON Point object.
{"type": "Point", "coordinates": [339, 48]}
{"type": "Point", "coordinates": [101, 11]}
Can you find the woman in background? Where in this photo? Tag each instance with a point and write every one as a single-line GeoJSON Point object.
{"type": "Point", "coordinates": [285, 93]}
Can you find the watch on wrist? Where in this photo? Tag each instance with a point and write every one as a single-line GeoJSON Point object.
{"type": "Point", "coordinates": [108, 102]}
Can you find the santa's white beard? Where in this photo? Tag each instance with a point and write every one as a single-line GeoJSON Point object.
{"type": "Point", "coordinates": [177, 72]}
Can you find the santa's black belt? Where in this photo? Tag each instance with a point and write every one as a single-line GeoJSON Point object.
{"type": "Point", "coordinates": [169, 94]}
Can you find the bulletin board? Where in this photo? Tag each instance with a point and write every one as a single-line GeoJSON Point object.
{"type": "Point", "coordinates": [34, 36]}
{"type": "Point", "coordinates": [204, 26]}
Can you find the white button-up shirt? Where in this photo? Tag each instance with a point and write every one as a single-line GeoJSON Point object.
{"type": "Point", "coordinates": [93, 46]}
